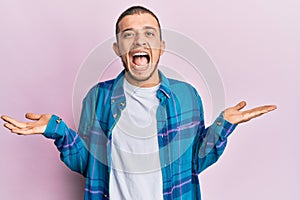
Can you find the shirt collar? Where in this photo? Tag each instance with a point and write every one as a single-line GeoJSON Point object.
{"type": "Point", "coordinates": [117, 90]}
{"type": "Point", "coordinates": [164, 85]}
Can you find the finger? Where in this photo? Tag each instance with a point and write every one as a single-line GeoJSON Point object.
{"type": "Point", "coordinates": [13, 121]}
{"type": "Point", "coordinates": [270, 107]}
{"type": "Point", "coordinates": [264, 109]}
{"type": "Point", "coordinates": [240, 105]}
{"type": "Point", "coordinates": [28, 131]}
{"type": "Point", "coordinates": [21, 131]}
{"type": "Point", "coordinates": [33, 116]}
{"type": "Point", "coordinates": [255, 112]}
{"type": "Point", "coordinates": [3, 117]}
{"type": "Point", "coordinates": [10, 126]}
{"type": "Point", "coordinates": [25, 131]}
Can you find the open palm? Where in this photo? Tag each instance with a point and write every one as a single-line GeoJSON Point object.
{"type": "Point", "coordinates": [235, 116]}
{"type": "Point", "coordinates": [38, 126]}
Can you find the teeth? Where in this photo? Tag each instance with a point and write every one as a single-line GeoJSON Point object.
{"type": "Point", "coordinates": [140, 54]}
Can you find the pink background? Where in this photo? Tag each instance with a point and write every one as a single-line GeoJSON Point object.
{"type": "Point", "coordinates": [254, 44]}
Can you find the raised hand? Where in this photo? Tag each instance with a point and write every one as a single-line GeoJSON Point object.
{"type": "Point", "coordinates": [235, 116]}
{"type": "Point", "coordinates": [38, 126]}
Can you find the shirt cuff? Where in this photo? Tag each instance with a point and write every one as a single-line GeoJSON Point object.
{"type": "Point", "coordinates": [55, 127]}
{"type": "Point", "coordinates": [224, 127]}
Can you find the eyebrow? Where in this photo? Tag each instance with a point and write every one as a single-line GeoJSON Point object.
{"type": "Point", "coordinates": [144, 28]}
{"type": "Point", "coordinates": [150, 27]}
{"type": "Point", "coordinates": [127, 29]}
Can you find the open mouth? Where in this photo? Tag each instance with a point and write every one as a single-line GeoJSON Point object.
{"type": "Point", "coordinates": [140, 58]}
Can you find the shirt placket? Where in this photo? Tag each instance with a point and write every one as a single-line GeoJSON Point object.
{"type": "Point", "coordinates": [163, 141]}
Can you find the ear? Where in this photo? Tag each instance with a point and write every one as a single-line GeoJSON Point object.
{"type": "Point", "coordinates": [116, 49]}
{"type": "Point", "coordinates": [162, 47]}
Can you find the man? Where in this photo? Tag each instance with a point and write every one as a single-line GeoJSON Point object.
{"type": "Point", "coordinates": [141, 135]}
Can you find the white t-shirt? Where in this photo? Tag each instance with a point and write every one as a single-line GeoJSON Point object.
{"type": "Point", "coordinates": [136, 171]}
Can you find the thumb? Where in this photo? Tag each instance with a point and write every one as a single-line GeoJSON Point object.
{"type": "Point", "coordinates": [33, 116]}
{"type": "Point", "coordinates": [240, 105]}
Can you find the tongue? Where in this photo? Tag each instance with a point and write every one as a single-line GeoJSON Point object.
{"type": "Point", "coordinates": [140, 60]}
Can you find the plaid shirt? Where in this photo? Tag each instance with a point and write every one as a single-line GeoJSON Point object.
{"type": "Point", "coordinates": [186, 147]}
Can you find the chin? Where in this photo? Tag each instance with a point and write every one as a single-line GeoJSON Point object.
{"type": "Point", "coordinates": [142, 78]}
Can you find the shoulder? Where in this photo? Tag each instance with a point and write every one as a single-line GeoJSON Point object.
{"type": "Point", "coordinates": [100, 89]}
{"type": "Point", "coordinates": [103, 85]}
{"type": "Point", "coordinates": [182, 87]}
{"type": "Point", "coordinates": [186, 97]}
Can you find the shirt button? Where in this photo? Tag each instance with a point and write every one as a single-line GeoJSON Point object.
{"type": "Point", "coordinates": [58, 120]}
{"type": "Point", "coordinates": [84, 137]}
{"type": "Point", "coordinates": [115, 116]}
{"type": "Point", "coordinates": [122, 104]}
{"type": "Point", "coordinates": [219, 123]}
{"type": "Point", "coordinates": [113, 101]}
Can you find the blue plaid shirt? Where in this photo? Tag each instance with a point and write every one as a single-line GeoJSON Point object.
{"type": "Point", "coordinates": [186, 147]}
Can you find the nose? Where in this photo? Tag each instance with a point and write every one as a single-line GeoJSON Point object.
{"type": "Point", "coordinates": [140, 40]}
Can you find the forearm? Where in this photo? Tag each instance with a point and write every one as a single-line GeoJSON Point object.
{"type": "Point", "coordinates": [210, 144]}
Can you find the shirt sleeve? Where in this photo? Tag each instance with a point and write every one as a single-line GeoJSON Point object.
{"type": "Point", "coordinates": [75, 147]}
{"type": "Point", "coordinates": [72, 148]}
{"type": "Point", "coordinates": [210, 142]}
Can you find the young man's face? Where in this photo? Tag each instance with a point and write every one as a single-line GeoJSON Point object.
{"type": "Point", "coordinates": [140, 47]}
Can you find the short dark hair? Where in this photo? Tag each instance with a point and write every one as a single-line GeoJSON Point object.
{"type": "Point", "coordinates": [136, 10]}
